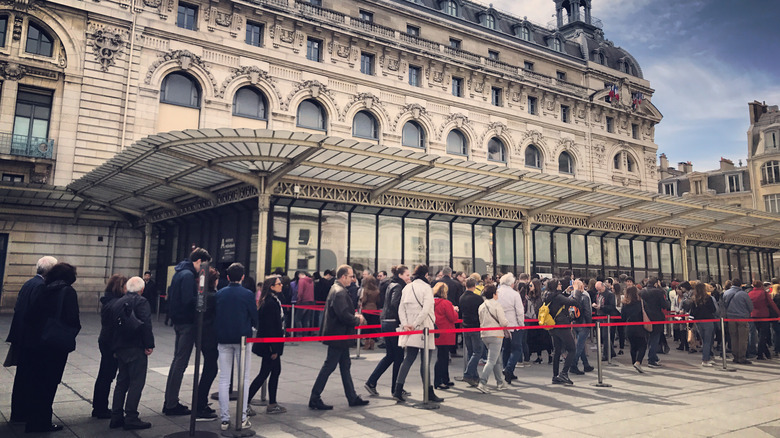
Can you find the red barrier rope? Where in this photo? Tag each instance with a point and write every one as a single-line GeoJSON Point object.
{"type": "Point", "coordinates": [314, 329]}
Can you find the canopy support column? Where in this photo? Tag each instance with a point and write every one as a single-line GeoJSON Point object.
{"type": "Point", "coordinates": [684, 255]}
{"type": "Point", "coordinates": [527, 245]}
{"type": "Point", "coordinates": [263, 205]}
{"type": "Point", "coordinates": [147, 247]}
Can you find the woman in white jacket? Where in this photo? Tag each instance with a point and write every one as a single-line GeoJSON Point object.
{"type": "Point", "coordinates": [491, 314]}
{"type": "Point", "coordinates": [416, 312]}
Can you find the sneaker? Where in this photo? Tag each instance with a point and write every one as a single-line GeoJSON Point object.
{"type": "Point", "coordinates": [399, 396]}
{"type": "Point", "coordinates": [654, 365]}
{"type": "Point", "coordinates": [471, 381]}
{"type": "Point", "coordinates": [557, 381]}
{"type": "Point", "coordinates": [501, 386]}
{"type": "Point", "coordinates": [520, 365]}
{"type": "Point", "coordinates": [407, 393]}
{"type": "Point", "coordinates": [225, 425]}
{"type": "Point", "coordinates": [246, 424]}
{"type": "Point", "coordinates": [588, 368]}
{"type": "Point", "coordinates": [638, 367]}
{"type": "Point", "coordinates": [250, 412]}
{"type": "Point", "coordinates": [483, 388]}
{"type": "Point", "coordinates": [706, 364]}
{"type": "Point", "coordinates": [276, 409]}
{"type": "Point", "coordinates": [179, 409]}
{"type": "Point", "coordinates": [371, 389]}
{"type": "Point", "coordinates": [576, 371]}
{"type": "Point", "coordinates": [206, 414]}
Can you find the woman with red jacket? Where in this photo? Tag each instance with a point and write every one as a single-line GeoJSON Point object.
{"type": "Point", "coordinates": [763, 307]}
{"type": "Point", "coordinates": [446, 315]}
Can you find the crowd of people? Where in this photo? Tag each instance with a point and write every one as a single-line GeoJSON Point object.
{"type": "Point", "coordinates": [46, 323]}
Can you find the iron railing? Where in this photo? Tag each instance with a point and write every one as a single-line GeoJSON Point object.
{"type": "Point", "coordinates": [26, 146]}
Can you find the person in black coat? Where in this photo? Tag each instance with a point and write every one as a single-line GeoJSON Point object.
{"type": "Point", "coordinates": [150, 291]}
{"type": "Point", "coordinates": [637, 334]}
{"type": "Point", "coordinates": [605, 304]}
{"type": "Point", "coordinates": [115, 289]}
{"type": "Point", "coordinates": [131, 347]}
{"type": "Point", "coordinates": [562, 338]}
{"type": "Point", "coordinates": [208, 348]}
{"type": "Point", "coordinates": [655, 304]}
{"type": "Point", "coordinates": [45, 364]}
{"type": "Point", "coordinates": [339, 319]}
{"type": "Point", "coordinates": [270, 325]}
{"type": "Point", "coordinates": [21, 392]}
{"type": "Point", "coordinates": [454, 291]}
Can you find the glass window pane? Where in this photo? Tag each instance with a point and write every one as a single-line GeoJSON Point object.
{"type": "Point", "coordinates": [594, 251]}
{"type": "Point", "coordinates": [702, 270]}
{"type": "Point", "coordinates": [520, 250]}
{"type": "Point", "coordinates": [279, 239]}
{"type": "Point", "coordinates": [333, 244]}
{"type": "Point", "coordinates": [496, 150]}
{"type": "Point", "coordinates": [412, 135]}
{"type": "Point", "coordinates": [639, 254]}
{"type": "Point", "coordinates": [610, 251]}
{"type": "Point", "coordinates": [456, 143]}
{"type": "Point", "coordinates": [542, 246]}
{"type": "Point", "coordinates": [652, 255]}
{"type": "Point", "coordinates": [677, 259]}
{"type": "Point", "coordinates": [578, 249]}
{"type": "Point", "coordinates": [310, 115]}
{"type": "Point", "coordinates": [249, 103]}
{"type": "Point", "coordinates": [362, 242]}
{"type": "Point", "coordinates": [505, 250]}
{"type": "Point", "coordinates": [712, 253]}
{"type": "Point", "coordinates": [389, 245]}
{"type": "Point", "coordinates": [754, 266]}
{"type": "Point", "coordinates": [745, 269]}
{"type": "Point", "coordinates": [461, 248]}
{"type": "Point", "coordinates": [304, 238]}
{"type": "Point", "coordinates": [364, 125]}
{"type": "Point", "coordinates": [414, 242]}
{"type": "Point", "coordinates": [666, 260]}
{"type": "Point", "coordinates": [483, 249]}
{"type": "Point", "coordinates": [561, 250]}
{"type": "Point", "coordinates": [438, 245]}
{"type": "Point", "coordinates": [624, 254]}
{"type": "Point", "coordinates": [724, 265]}
{"type": "Point", "coordinates": [691, 263]}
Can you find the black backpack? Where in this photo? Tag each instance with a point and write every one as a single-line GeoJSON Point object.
{"type": "Point", "coordinates": [126, 324]}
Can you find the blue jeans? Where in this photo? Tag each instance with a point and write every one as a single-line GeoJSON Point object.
{"type": "Point", "coordinates": [707, 333]}
{"type": "Point", "coordinates": [513, 351]}
{"type": "Point", "coordinates": [580, 352]}
{"type": "Point", "coordinates": [474, 347]}
{"type": "Point", "coordinates": [653, 339]}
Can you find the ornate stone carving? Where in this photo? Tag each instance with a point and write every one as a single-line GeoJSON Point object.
{"type": "Point", "coordinates": [418, 112]}
{"type": "Point", "coordinates": [343, 53]}
{"type": "Point", "coordinates": [153, 3]}
{"type": "Point", "coordinates": [107, 44]}
{"type": "Point", "coordinates": [535, 137]}
{"type": "Point", "coordinates": [458, 119]}
{"type": "Point", "coordinates": [315, 88]}
{"type": "Point", "coordinates": [599, 153]}
{"type": "Point", "coordinates": [498, 129]}
{"type": "Point", "coordinates": [289, 38]}
{"type": "Point", "coordinates": [369, 101]}
{"type": "Point", "coordinates": [255, 75]}
{"type": "Point", "coordinates": [12, 71]}
{"type": "Point", "coordinates": [186, 60]}
{"type": "Point", "coordinates": [17, 32]}
{"type": "Point", "coordinates": [651, 166]}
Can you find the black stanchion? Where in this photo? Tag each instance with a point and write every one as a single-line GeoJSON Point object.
{"type": "Point", "coordinates": [201, 309]}
{"type": "Point", "coordinates": [426, 404]}
{"type": "Point", "coordinates": [609, 339]}
{"type": "Point", "coordinates": [600, 383]}
{"type": "Point", "coordinates": [723, 346]}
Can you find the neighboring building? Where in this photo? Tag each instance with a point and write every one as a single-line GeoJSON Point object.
{"type": "Point", "coordinates": [333, 131]}
{"type": "Point", "coordinates": [729, 185]}
{"type": "Point", "coordinates": [764, 155]}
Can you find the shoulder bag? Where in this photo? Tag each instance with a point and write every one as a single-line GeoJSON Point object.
{"type": "Point", "coordinates": [506, 331]}
{"type": "Point", "coordinates": [645, 318]}
{"type": "Point", "coordinates": [435, 327]}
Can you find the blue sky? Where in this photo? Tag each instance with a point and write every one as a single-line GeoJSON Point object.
{"type": "Point", "coordinates": [705, 59]}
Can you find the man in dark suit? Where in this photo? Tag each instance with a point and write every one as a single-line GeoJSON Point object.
{"type": "Point", "coordinates": [655, 304]}
{"type": "Point", "coordinates": [454, 291]}
{"type": "Point", "coordinates": [21, 392]}
{"type": "Point", "coordinates": [606, 305]}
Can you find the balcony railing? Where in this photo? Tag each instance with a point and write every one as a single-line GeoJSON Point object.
{"type": "Point", "coordinates": [25, 146]}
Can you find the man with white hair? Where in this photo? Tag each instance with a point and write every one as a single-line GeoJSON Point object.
{"type": "Point", "coordinates": [512, 303]}
{"type": "Point", "coordinates": [132, 342]}
{"type": "Point", "coordinates": [21, 393]}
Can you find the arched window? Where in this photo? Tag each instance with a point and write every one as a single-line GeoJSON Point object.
{"type": "Point", "coordinates": [364, 125]}
{"type": "Point", "coordinates": [311, 115]}
{"type": "Point", "coordinates": [180, 89]}
{"type": "Point", "coordinates": [456, 143]}
{"type": "Point", "coordinates": [496, 150]}
{"type": "Point", "coordinates": [38, 41]}
{"type": "Point", "coordinates": [556, 44]}
{"type": "Point", "coordinates": [601, 59]}
{"type": "Point", "coordinates": [630, 167]}
{"type": "Point", "coordinates": [490, 21]}
{"type": "Point", "coordinates": [524, 33]}
{"type": "Point", "coordinates": [565, 163]}
{"type": "Point", "coordinates": [626, 67]}
{"type": "Point", "coordinates": [249, 102]}
{"type": "Point", "coordinates": [532, 157]}
{"type": "Point", "coordinates": [770, 172]}
{"type": "Point", "coordinates": [413, 135]}
{"type": "Point", "coordinates": [450, 7]}
{"type": "Point", "coordinates": [616, 161]}
{"type": "Point", "coordinates": [3, 29]}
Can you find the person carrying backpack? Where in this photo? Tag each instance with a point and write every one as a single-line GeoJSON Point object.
{"type": "Point", "coordinates": [558, 307]}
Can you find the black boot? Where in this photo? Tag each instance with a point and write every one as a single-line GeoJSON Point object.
{"type": "Point", "coordinates": [564, 377]}
{"type": "Point", "coordinates": [398, 394]}
{"type": "Point", "coordinates": [432, 396]}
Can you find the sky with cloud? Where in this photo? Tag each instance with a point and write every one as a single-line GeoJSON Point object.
{"type": "Point", "coordinates": [706, 59]}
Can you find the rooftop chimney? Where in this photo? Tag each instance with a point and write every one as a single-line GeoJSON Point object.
{"type": "Point", "coordinates": [756, 109]}
{"type": "Point", "coordinates": [664, 162]}
{"type": "Point", "coordinates": [685, 167]}
{"type": "Point", "coordinates": [726, 164]}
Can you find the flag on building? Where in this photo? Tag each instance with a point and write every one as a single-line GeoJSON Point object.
{"type": "Point", "coordinates": [614, 93]}
{"type": "Point", "coordinates": [637, 100]}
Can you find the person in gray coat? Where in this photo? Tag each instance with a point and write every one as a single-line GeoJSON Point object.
{"type": "Point", "coordinates": [738, 305]}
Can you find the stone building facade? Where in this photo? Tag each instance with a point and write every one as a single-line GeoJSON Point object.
{"type": "Point", "coordinates": [764, 155]}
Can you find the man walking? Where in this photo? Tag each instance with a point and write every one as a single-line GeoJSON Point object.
{"type": "Point", "coordinates": [655, 304]}
{"type": "Point", "coordinates": [21, 389]}
{"type": "Point", "coordinates": [236, 315]}
{"type": "Point", "coordinates": [510, 301]}
{"type": "Point", "coordinates": [339, 319]}
{"type": "Point", "coordinates": [150, 291]}
{"type": "Point", "coordinates": [469, 312]}
{"type": "Point", "coordinates": [605, 305]}
{"type": "Point", "coordinates": [182, 297]}
{"type": "Point", "coordinates": [738, 306]}
{"type": "Point", "coordinates": [132, 342]}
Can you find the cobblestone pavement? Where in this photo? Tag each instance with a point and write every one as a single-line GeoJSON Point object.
{"type": "Point", "coordinates": [680, 399]}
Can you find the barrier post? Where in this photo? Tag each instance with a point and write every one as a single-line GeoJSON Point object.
{"type": "Point", "coordinates": [357, 355]}
{"type": "Point", "coordinates": [600, 383]}
{"type": "Point", "coordinates": [292, 324]}
{"type": "Point", "coordinates": [723, 346]}
{"type": "Point", "coordinates": [609, 340]}
{"type": "Point", "coordinates": [426, 357]}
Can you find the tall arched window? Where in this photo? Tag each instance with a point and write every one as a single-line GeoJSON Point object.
{"type": "Point", "coordinates": [532, 157]}
{"type": "Point", "coordinates": [413, 135]}
{"type": "Point", "coordinates": [616, 161]}
{"type": "Point", "coordinates": [490, 21]}
{"type": "Point", "coordinates": [450, 7]}
{"type": "Point", "coordinates": [39, 42]}
{"type": "Point", "coordinates": [311, 115]}
{"type": "Point", "coordinates": [180, 89]}
{"type": "Point", "coordinates": [364, 125]}
{"type": "Point", "coordinates": [556, 44]}
{"type": "Point", "coordinates": [770, 172]}
{"type": "Point", "coordinates": [601, 59]}
{"type": "Point", "coordinates": [496, 150]}
{"type": "Point", "coordinates": [630, 165]}
{"type": "Point", "coordinates": [565, 163]}
{"type": "Point", "coordinates": [456, 143]}
{"type": "Point", "coordinates": [249, 102]}
{"type": "Point", "coordinates": [524, 33]}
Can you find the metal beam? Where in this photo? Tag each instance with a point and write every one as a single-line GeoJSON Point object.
{"type": "Point", "coordinates": [500, 186]}
{"type": "Point", "coordinates": [710, 224]}
{"type": "Point", "coordinates": [597, 217]}
{"type": "Point", "coordinates": [168, 182]}
{"type": "Point", "coordinates": [559, 201]}
{"type": "Point", "coordinates": [389, 185]}
{"type": "Point", "coordinates": [243, 177]}
{"type": "Point", "coordinates": [749, 229]}
{"type": "Point", "coordinates": [274, 178]}
{"type": "Point", "coordinates": [647, 224]}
